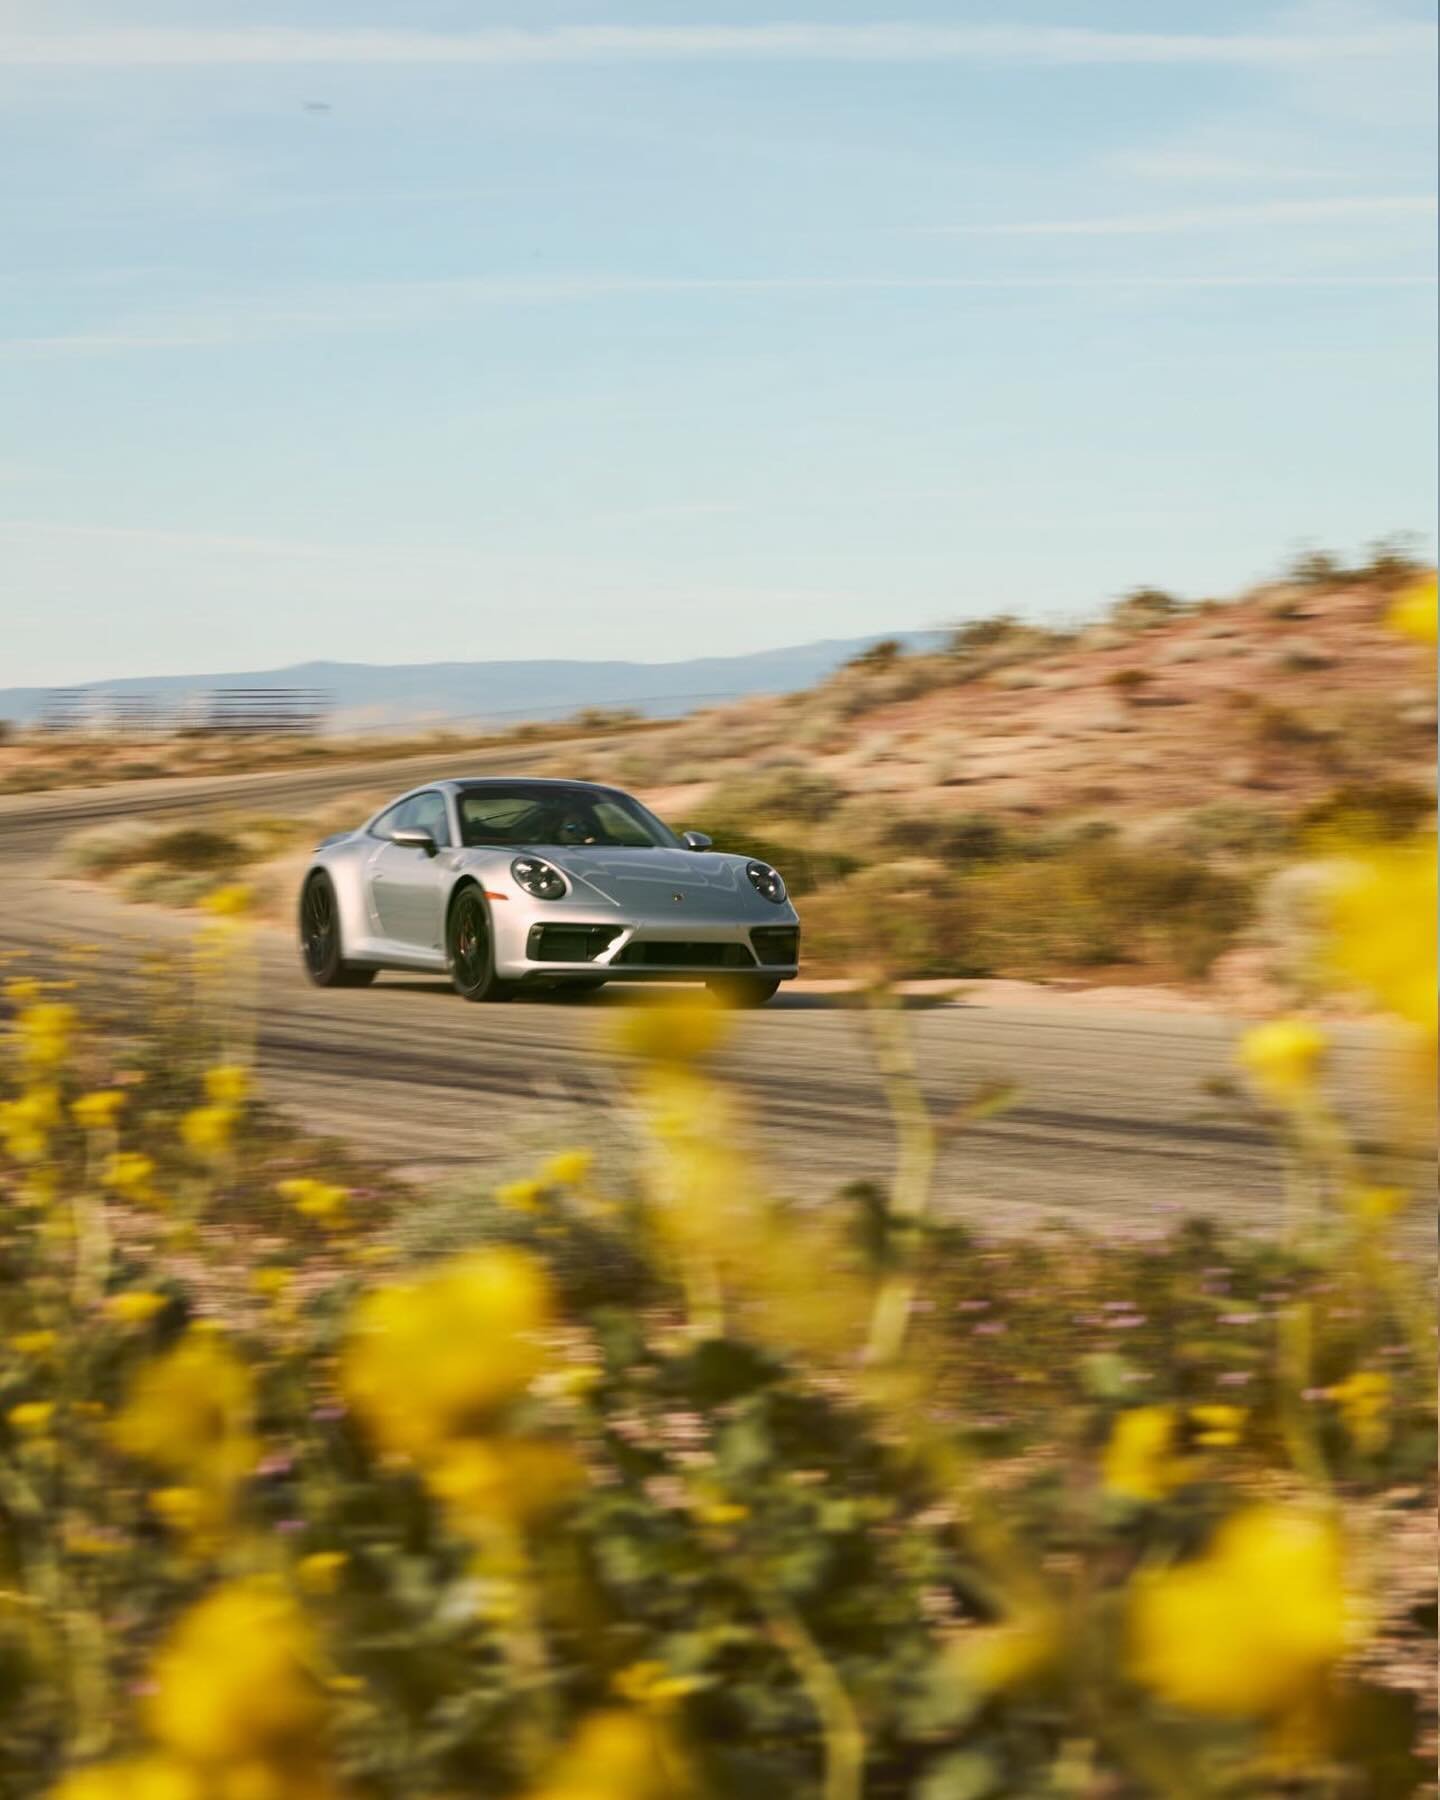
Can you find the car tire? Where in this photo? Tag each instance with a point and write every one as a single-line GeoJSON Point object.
{"type": "Point", "coordinates": [320, 949]}
{"type": "Point", "coordinates": [471, 949]}
{"type": "Point", "coordinates": [744, 991]}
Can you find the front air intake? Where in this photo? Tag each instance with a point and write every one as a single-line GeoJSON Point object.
{"type": "Point", "coordinates": [668, 953]}
{"type": "Point", "coordinates": [777, 946]}
{"type": "Point", "coordinates": [569, 943]}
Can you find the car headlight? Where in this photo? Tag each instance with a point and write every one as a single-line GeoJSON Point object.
{"type": "Point", "coordinates": [766, 881]}
{"type": "Point", "coordinates": [538, 877]}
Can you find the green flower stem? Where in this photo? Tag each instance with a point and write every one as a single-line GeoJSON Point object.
{"type": "Point", "coordinates": [915, 1165]}
{"type": "Point", "coordinates": [841, 1732]}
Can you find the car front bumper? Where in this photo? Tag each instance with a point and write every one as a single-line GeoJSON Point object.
{"type": "Point", "coordinates": [665, 949]}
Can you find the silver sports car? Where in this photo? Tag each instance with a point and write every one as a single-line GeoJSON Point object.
{"type": "Point", "coordinates": [504, 882]}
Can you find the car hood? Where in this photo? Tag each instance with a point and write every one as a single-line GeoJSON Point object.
{"type": "Point", "coordinates": [634, 877]}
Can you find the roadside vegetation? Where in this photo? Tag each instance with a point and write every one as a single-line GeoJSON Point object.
{"type": "Point", "coordinates": [33, 760]}
{"type": "Point", "coordinates": [582, 1488]}
{"type": "Point", "coordinates": [1120, 804]}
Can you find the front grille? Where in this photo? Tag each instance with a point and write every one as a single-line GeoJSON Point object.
{"type": "Point", "coordinates": [667, 953]}
{"type": "Point", "coordinates": [777, 945]}
{"type": "Point", "coordinates": [569, 943]}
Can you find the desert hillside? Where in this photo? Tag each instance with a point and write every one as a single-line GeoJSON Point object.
{"type": "Point", "coordinates": [1124, 802]}
{"type": "Point", "coordinates": [1013, 802]}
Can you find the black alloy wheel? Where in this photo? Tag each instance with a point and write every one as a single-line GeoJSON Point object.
{"type": "Point", "coordinates": [471, 950]}
{"type": "Point", "coordinates": [320, 937]}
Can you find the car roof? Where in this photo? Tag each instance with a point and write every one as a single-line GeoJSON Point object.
{"type": "Point", "coordinates": [461, 783]}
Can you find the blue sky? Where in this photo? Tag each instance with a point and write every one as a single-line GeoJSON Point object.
{"type": "Point", "coordinates": [447, 331]}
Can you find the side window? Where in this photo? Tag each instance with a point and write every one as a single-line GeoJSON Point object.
{"type": "Point", "coordinates": [390, 821]}
{"type": "Point", "coordinates": [421, 812]}
{"type": "Point", "coordinates": [428, 814]}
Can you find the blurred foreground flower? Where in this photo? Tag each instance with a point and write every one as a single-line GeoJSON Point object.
{"type": "Point", "coordinates": [234, 1706]}
{"type": "Point", "coordinates": [205, 1130]}
{"type": "Point", "coordinates": [191, 1413]}
{"type": "Point", "coordinates": [1253, 1627]}
{"type": "Point", "coordinates": [504, 1481]}
{"type": "Point", "coordinates": [671, 1032]}
{"type": "Point", "coordinates": [129, 1173]}
{"type": "Point", "coordinates": [228, 1084]}
{"type": "Point", "coordinates": [616, 1755]}
{"type": "Point", "coordinates": [235, 1680]}
{"type": "Point", "coordinates": [1141, 1462]}
{"type": "Point", "coordinates": [26, 1124]}
{"type": "Point", "coordinates": [435, 1359]}
{"type": "Point", "coordinates": [43, 1032]}
{"type": "Point", "coordinates": [996, 1659]}
{"type": "Point", "coordinates": [1381, 917]}
{"type": "Point", "coordinates": [1364, 1402]}
{"type": "Point", "coordinates": [1414, 610]}
{"type": "Point", "coordinates": [97, 1111]}
{"type": "Point", "coordinates": [1282, 1058]}
{"type": "Point", "coordinates": [229, 902]}
{"type": "Point", "coordinates": [323, 1201]}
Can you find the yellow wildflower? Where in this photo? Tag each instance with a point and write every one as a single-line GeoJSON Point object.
{"type": "Point", "coordinates": [1364, 1402]}
{"type": "Point", "coordinates": [188, 1511]}
{"type": "Point", "coordinates": [320, 1572]}
{"type": "Point", "coordinates": [205, 1130]}
{"type": "Point", "coordinates": [720, 1513]}
{"type": "Point", "coordinates": [96, 1112]}
{"type": "Point", "coordinates": [229, 902]}
{"type": "Point", "coordinates": [652, 1684]}
{"type": "Point", "coordinates": [1381, 928]}
{"type": "Point", "coordinates": [135, 1307]}
{"type": "Point", "coordinates": [1282, 1058]}
{"type": "Point", "coordinates": [23, 990]}
{"type": "Point", "coordinates": [272, 1282]}
{"type": "Point", "coordinates": [430, 1360]}
{"type": "Point", "coordinates": [1217, 1427]}
{"type": "Point", "coordinates": [322, 1201]}
{"type": "Point", "coordinates": [1374, 1206]}
{"type": "Point", "coordinates": [569, 1168]}
{"type": "Point", "coordinates": [26, 1123]}
{"type": "Point", "coordinates": [128, 1173]}
{"type": "Point", "coordinates": [615, 1755]}
{"type": "Point", "coordinates": [504, 1480]}
{"type": "Point", "coordinates": [32, 1417]}
{"type": "Point", "coordinates": [35, 1343]}
{"type": "Point", "coordinates": [679, 1031]}
{"type": "Point", "coordinates": [44, 1030]}
{"type": "Point", "coordinates": [133, 1778]}
{"type": "Point", "coordinates": [521, 1196]}
{"type": "Point", "coordinates": [191, 1412]}
{"type": "Point", "coordinates": [228, 1084]}
{"type": "Point", "coordinates": [1414, 610]}
{"type": "Point", "coordinates": [1140, 1461]}
{"type": "Point", "coordinates": [1011, 1654]}
{"type": "Point", "coordinates": [1251, 1628]}
{"type": "Point", "coordinates": [234, 1682]}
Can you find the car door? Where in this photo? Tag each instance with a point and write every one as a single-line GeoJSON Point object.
{"type": "Point", "coordinates": [406, 881]}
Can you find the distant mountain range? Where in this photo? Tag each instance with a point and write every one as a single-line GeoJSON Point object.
{"type": "Point", "coordinates": [384, 696]}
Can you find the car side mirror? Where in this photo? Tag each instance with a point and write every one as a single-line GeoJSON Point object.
{"type": "Point", "coordinates": [696, 840]}
{"type": "Point", "coordinates": [413, 838]}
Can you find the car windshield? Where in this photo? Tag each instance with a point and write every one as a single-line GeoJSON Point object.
{"type": "Point", "coordinates": [530, 814]}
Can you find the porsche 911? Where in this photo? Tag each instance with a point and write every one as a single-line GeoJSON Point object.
{"type": "Point", "coordinates": [504, 883]}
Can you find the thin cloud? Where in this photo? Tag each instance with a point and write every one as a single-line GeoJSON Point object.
{"type": "Point", "coordinates": [259, 319]}
{"type": "Point", "coordinates": [1202, 166]}
{"type": "Point", "coordinates": [138, 47]}
{"type": "Point", "coordinates": [1210, 218]}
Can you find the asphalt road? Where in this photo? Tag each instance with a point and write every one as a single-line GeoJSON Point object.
{"type": "Point", "coordinates": [1113, 1127]}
